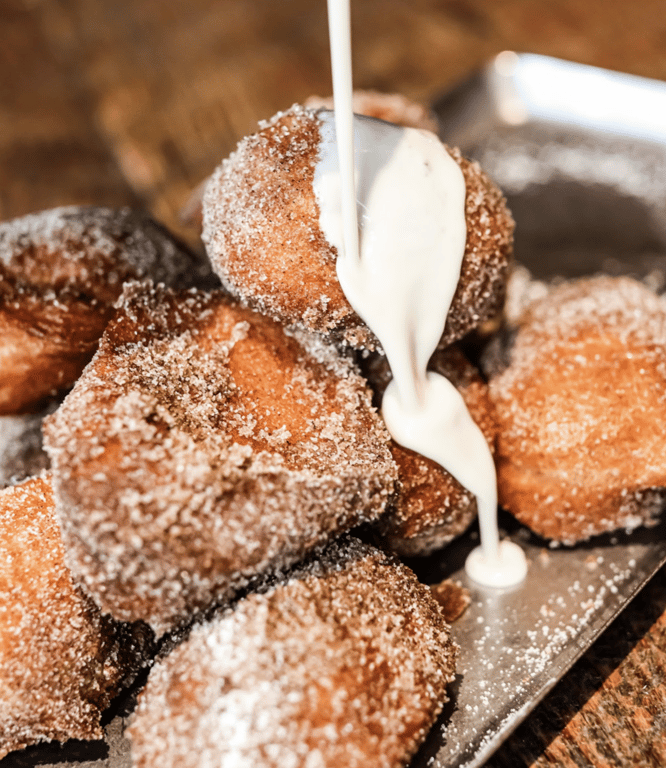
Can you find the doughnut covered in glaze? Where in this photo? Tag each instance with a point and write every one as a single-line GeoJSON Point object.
{"type": "Point", "coordinates": [263, 236]}
{"type": "Point", "coordinates": [431, 507]}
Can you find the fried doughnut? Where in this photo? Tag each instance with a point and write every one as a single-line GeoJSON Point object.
{"type": "Point", "coordinates": [344, 664]}
{"type": "Point", "coordinates": [203, 445]}
{"type": "Point", "coordinates": [580, 410]}
{"type": "Point", "coordinates": [391, 107]}
{"type": "Point", "coordinates": [61, 661]}
{"type": "Point", "coordinates": [431, 507]}
{"type": "Point", "coordinates": [60, 273]}
{"type": "Point", "coordinates": [262, 233]}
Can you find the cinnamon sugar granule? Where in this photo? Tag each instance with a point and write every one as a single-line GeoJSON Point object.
{"type": "Point", "coordinates": [452, 597]}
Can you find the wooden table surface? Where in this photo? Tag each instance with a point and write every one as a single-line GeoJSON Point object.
{"type": "Point", "coordinates": [134, 102]}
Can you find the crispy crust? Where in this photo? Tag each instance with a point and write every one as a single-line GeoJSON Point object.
{"type": "Point", "coordinates": [60, 273]}
{"type": "Point", "coordinates": [431, 507]}
{"type": "Point", "coordinates": [345, 664]}
{"type": "Point", "coordinates": [61, 661]}
{"type": "Point", "coordinates": [580, 410]}
{"type": "Point", "coordinates": [202, 446]}
{"type": "Point", "coordinates": [262, 233]}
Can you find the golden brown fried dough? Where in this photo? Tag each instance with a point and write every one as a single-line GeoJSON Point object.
{"type": "Point", "coordinates": [61, 661]}
{"type": "Point", "coordinates": [431, 507]}
{"type": "Point", "coordinates": [60, 273]}
{"type": "Point", "coordinates": [262, 233]}
{"type": "Point", "coordinates": [202, 446]}
{"type": "Point", "coordinates": [345, 664]}
{"type": "Point", "coordinates": [581, 408]}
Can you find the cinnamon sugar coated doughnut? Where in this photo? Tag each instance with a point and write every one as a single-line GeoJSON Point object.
{"type": "Point", "coordinates": [60, 273]}
{"type": "Point", "coordinates": [580, 409]}
{"type": "Point", "coordinates": [392, 107]}
{"type": "Point", "coordinates": [202, 446]}
{"type": "Point", "coordinates": [431, 507]}
{"type": "Point", "coordinates": [344, 664]}
{"type": "Point", "coordinates": [263, 236]}
{"type": "Point", "coordinates": [61, 661]}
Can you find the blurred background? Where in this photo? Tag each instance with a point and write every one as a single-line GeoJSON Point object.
{"type": "Point", "coordinates": [135, 101]}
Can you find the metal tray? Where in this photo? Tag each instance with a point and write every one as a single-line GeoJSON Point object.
{"type": "Point", "coordinates": [581, 156]}
{"type": "Point", "coordinates": [580, 153]}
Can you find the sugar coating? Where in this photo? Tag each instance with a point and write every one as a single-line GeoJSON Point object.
{"type": "Point", "coordinates": [580, 408]}
{"type": "Point", "coordinates": [60, 273]}
{"type": "Point", "coordinates": [431, 507]}
{"type": "Point", "coordinates": [61, 661]}
{"type": "Point", "coordinates": [91, 251]}
{"type": "Point", "coordinates": [202, 446]}
{"type": "Point", "coordinates": [262, 234]}
{"type": "Point", "coordinates": [344, 664]}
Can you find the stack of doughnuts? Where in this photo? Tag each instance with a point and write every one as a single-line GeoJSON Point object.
{"type": "Point", "coordinates": [264, 239]}
{"type": "Point", "coordinates": [333, 651]}
{"type": "Point", "coordinates": [62, 660]}
{"type": "Point", "coordinates": [214, 439]}
{"type": "Point", "coordinates": [215, 447]}
{"type": "Point", "coordinates": [212, 444]}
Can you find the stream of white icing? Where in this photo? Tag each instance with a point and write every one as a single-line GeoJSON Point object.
{"type": "Point", "coordinates": [399, 274]}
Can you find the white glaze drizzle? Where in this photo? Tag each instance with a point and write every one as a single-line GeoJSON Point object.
{"type": "Point", "coordinates": [339, 26]}
{"type": "Point", "coordinates": [410, 195]}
